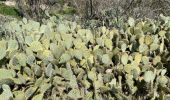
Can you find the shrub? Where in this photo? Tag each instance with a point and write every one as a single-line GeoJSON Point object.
{"type": "Point", "coordinates": [6, 10]}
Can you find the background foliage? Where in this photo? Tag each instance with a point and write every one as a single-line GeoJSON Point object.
{"type": "Point", "coordinates": [94, 9]}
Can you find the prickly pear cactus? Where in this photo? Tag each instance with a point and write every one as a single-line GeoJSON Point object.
{"type": "Point", "coordinates": [61, 60]}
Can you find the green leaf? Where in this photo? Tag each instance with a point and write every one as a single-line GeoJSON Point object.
{"type": "Point", "coordinates": [128, 68]}
{"type": "Point", "coordinates": [3, 53]}
{"type": "Point", "coordinates": [108, 43]}
{"type": "Point", "coordinates": [162, 33]}
{"type": "Point", "coordinates": [6, 94]}
{"type": "Point", "coordinates": [73, 81]}
{"type": "Point", "coordinates": [57, 50]}
{"type": "Point", "coordinates": [162, 47]}
{"type": "Point", "coordinates": [90, 60]}
{"type": "Point", "coordinates": [106, 59]}
{"type": "Point", "coordinates": [138, 58]}
{"type": "Point", "coordinates": [6, 74]}
{"type": "Point", "coordinates": [156, 60]}
{"type": "Point", "coordinates": [103, 29]}
{"type": "Point", "coordinates": [74, 94]}
{"type": "Point", "coordinates": [163, 72]}
{"type": "Point", "coordinates": [72, 77]}
{"type": "Point", "coordinates": [124, 58]}
{"type": "Point", "coordinates": [141, 40]}
{"type": "Point", "coordinates": [19, 95]}
{"type": "Point", "coordinates": [24, 20]}
{"type": "Point", "coordinates": [30, 59]}
{"type": "Point", "coordinates": [2, 49]}
{"type": "Point", "coordinates": [97, 84]}
{"type": "Point", "coordinates": [46, 43]}
{"type": "Point", "coordinates": [92, 75]}
{"type": "Point", "coordinates": [28, 40]}
{"type": "Point", "coordinates": [89, 36]}
{"type": "Point", "coordinates": [49, 70]}
{"type": "Point", "coordinates": [22, 59]}
{"type": "Point", "coordinates": [149, 76]}
{"type": "Point", "coordinates": [73, 26]}
{"type": "Point", "coordinates": [162, 80]}
{"type": "Point", "coordinates": [164, 18]}
{"type": "Point", "coordinates": [148, 39]}
{"type": "Point", "coordinates": [62, 28]}
{"type": "Point", "coordinates": [34, 25]}
{"type": "Point", "coordinates": [43, 29]}
{"type": "Point", "coordinates": [30, 91]}
{"type": "Point", "coordinates": [145, 60]}
{"type": "Point", "coordinates": [12, 45]}
{"type": "Point", "coordinates": [47, 55]}
{"type": "Point", "coordinates": [143, 48]}
{"type": "Point", "coordinates": [29, 51]}
{"type": "Point", "coordinates": [20, 80]}
{"type": "Point", "coordinates": [78, 54]}
{"type": "Point", "coordinates": [131, 21]}
{"type": "Point", "coordinates": [68, 40]}
{"type": "Point", "coordinates": [89, 96]}
{"type": "Point", "coordinates": [79, 44]}
{"type": "Point", "coordinates": [154, 47]}
{"type": "Point", "coordinates": [38, 97]}
{"type": "Point", "coordinates": [166, 97]}
{"type": "Point", "coordinates": [136, 67]}
{"type": "Point", "coordinates": [100, 41]}
{"type": "Point", "coordinates": [37, 70]}
{"type": "Point", "coordinates": [44, 87]}
{"type": "Point", "coordinates": [36, 46]}
{"type": "Point", "coordinates": [113, 82]}
{"type": "Point", "coordinates": [39, 82]}
{"type": "Point", "coordinates": [3, 44]}
{"type": "Point", "coordinates": [65, 58]}
{"type": "Point", "coordinates": [27, 71]}
{"type": "Point", "coordinates": [123, 47]}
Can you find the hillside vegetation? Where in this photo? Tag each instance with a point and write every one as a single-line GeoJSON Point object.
{"type": "Point", "coordinates": [99, 54]}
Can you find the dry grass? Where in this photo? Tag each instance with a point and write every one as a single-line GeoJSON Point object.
{"type": "Point", "coordinates": [90, 9]}
{"type": "Point", "coordinates": [135, 8]}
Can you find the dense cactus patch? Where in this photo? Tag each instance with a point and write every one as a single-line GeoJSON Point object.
{"type": "Point", "coordinates": [60, 59]}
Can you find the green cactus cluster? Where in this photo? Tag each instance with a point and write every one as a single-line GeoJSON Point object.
{"type": "Point", "coordinates": [60, 60]}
